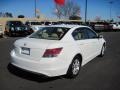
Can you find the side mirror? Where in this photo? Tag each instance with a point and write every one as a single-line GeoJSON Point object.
{"type": "Point", "coordinates": [100, 36]}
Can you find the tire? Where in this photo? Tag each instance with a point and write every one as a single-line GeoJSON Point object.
{"type": "Point", "coordinates": [1, 36]}
{"type": "Point", "coordinates": [102, 51]}
{"type": "Point", "coordinates": [5, 32]}
{"type": "Point", "coordinates": [74, 68]}
{"type": "Point", "coordinates": [10, 34]}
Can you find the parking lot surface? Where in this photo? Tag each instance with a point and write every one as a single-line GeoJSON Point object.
{"type": "Point", "coordinates": [98, 74]}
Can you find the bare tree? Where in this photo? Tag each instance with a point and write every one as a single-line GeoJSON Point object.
{"type": "Point", "coordinates": [6, 14]}
{"type": "Point", "coordinates": [70, 8]}
{"type": "Point", "coordinates": [58, 12]}
{"type": "Point", "coordinates": [97, 18]}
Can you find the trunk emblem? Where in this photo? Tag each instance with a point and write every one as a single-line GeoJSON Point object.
{"type": "Point", "coordinates": [25, 44]}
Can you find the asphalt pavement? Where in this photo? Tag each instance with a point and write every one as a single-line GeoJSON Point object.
{"type": "Point", "coordinates": [99, 74]}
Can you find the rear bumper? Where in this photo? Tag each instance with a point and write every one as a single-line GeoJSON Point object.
{"type": "Point", "coordinates": [51, 68]}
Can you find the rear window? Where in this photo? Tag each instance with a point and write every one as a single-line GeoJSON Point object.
{"type": "Point", "coordinates": [50, 33]}
{"type": "Point", "coordinates": [33, 23]}
{"type": "Point", "coordinates": [16, 23]}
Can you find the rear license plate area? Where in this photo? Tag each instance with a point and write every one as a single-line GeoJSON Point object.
{"type": "Point", "coordinates": [25, 50]}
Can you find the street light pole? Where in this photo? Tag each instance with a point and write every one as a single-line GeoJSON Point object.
{"type": "Point", "coordinates": [111, 2]}
{"type": "Point", "coordinates": [35, 8]}
{"type": "Point", "coordinates": [86, 11]}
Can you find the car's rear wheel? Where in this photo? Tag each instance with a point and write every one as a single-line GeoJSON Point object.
{"type": "Point", "coordinates": [10, 34]}
{"type": "Point", "coordinates": [1, 35]}
{"type": "Point", "coordinates": [74, 68]}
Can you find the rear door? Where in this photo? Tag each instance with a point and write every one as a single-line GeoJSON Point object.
{"type": "Point", "coordinates": [83, 43]}
{"type": "Point", "coordinates": [87, 42]}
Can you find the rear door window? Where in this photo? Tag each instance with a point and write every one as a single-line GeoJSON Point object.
{"type": "Point", "coordinates": [80, 34]}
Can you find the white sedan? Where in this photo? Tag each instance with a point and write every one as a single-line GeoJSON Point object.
{"type": "Point", "coordinates": [58, 50]}
{"type": "Point", "coordinates": [115, 26]}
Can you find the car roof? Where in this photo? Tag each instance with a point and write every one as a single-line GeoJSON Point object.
{"type": "Point", "coordinates": [67, 26]}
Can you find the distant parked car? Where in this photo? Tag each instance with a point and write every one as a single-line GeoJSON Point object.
{"type": "Point", "coordinates": [37, 25]}
{"type": "Point", "coordinates": [102, 26]}
{"type": "Point", "coordinates": [58, 50]}
{"type": "Point", "coordinates": [1, 31]}
{"type": "Point", "coordinates": [115, 26]}
{"type": "Point", "coordinates": [14, 28]}
{"type": "Point", "coordinates": [34, 25]}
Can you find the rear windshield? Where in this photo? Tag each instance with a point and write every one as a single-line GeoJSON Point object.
{"type": "Point", "coordinates": [33, 23]}
{"type": "Point", "coordinates": [50, 33]}
{"type": "Point", "coordinates": [16, 23]}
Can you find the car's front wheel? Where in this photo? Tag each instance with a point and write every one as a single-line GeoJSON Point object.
{"type": "Point", "coordinates": [102, 51]}
{"type": "Point", "coordinates": [74, 68]}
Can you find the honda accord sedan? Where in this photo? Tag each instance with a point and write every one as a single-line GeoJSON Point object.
{"type": "Point", "coordinates": [58, 50]}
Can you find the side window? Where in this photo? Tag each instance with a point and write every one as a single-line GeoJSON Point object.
{"type": "Point", "coordinates": [80, 34]}
{"type": "Point", "coordinates": [90, 33]}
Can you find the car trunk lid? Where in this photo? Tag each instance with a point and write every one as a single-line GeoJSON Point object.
{"type": "Point", "coordinates": [31, 48]}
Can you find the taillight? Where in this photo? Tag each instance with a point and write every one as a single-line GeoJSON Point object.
{"type": "Point", "coordinates": [52, 52]}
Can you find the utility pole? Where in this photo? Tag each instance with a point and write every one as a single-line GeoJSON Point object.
{"type": "Point", "coordinates": [111, 2]}
{"type": "Point", "coordinates": [35, 8]}
{"type": "Point", "coordinates": [86, 11]}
